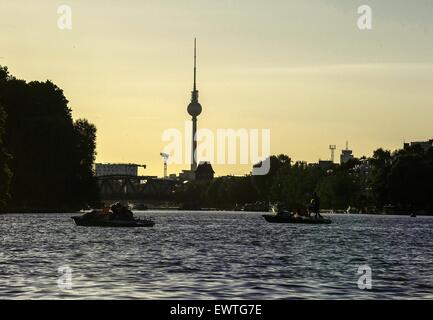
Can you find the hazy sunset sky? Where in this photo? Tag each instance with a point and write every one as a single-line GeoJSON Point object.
{"type": "Point", "coordinates": [300, 68]}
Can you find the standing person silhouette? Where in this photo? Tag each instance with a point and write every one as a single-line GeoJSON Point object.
{"type": "Point", "coordinates": [315, 205]}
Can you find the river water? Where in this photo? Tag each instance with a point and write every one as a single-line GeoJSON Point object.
{"type": "Point", "coordinates": [215, 255]}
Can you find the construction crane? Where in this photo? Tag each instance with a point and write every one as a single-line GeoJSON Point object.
{"type": "Point", "coordinates": [165, 158]}
{"type": "Point", "coordinates": [332, 147]}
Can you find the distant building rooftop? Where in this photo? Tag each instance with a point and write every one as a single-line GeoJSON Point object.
{"type": "Point", "coordinates": [110, 169]}
{"type": "Point", "coordinates": [425, 145]}
{"type": "Point", "coordinates": [326, 164]}
{"type": "Point", "coordinates": [204, 171]}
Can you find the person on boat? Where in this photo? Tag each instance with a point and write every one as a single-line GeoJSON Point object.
{"type": "Point", "coordinates": [120, 212]}
{"type": "Point", "coordinates": [297, 214]}
{"type": "Point", "coordinates": [127, 214]}
{"type": "Point", "coordinates": [315, 206]}
{"type": "Point", "coordinates": [105, 210]}
{"type": "Point", "coordinates": [282, 210]}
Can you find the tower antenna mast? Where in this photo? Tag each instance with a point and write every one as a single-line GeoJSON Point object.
{"type": "Point", "coordinates": [195, 64]}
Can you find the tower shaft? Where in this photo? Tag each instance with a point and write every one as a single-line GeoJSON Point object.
{"type": "Point", "coordinates": [194, 144]}
{"type": "Point", "coordinates": [194, 118]}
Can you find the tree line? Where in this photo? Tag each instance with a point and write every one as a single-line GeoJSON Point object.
{"type": "Point", "coordinates": [46, 158]}
{"type": "Point", "coordinates": [46, 163]}
{"type": "Point", "coordinates": [399, 181]}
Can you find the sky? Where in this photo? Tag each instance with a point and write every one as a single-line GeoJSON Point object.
{"type": "Point", "coordinates": [302, 69]}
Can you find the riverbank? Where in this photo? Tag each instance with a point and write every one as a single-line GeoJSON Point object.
{"type": "Point", "coordinates": [56, 211]}
{"type": "Point", "coordinates": [38, 210]}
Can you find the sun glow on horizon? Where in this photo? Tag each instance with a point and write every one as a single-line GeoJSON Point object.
{"type": "Point", "coordinates": [303, 70]}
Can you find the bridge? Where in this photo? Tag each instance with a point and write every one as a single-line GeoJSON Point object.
{"type": "Point", "coordinates": [135, 188]}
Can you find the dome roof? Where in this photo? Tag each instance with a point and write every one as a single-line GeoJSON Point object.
{"type": "Point", "coordinates": [194, 108]}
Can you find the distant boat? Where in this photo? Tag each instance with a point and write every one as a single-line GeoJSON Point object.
{"type": "Point", "coordinates": [283, 218]}
{"type": "Point", "coordinates": [256, 207]}
{"type": "Point", "coordinates": [413, 215]}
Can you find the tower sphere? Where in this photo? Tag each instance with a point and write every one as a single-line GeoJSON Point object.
{"type": "Point", "coordinates": [194, 108]}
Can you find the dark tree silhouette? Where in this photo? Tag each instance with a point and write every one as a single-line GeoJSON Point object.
{"type": "Point", "coordinates": [85, 139]}
{"type": "Point", "coordinates": [5, 173]}
{"type": "Point", "coordinates": [51, 157]}
{"type": "Point", "coordinates": [380, 167]}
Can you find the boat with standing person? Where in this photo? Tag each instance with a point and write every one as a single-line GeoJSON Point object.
{"type": "Point", "coordinates": [300, 215]}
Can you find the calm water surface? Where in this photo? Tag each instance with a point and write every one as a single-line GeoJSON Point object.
{"type": "Point", "coordinates": [209, 255]}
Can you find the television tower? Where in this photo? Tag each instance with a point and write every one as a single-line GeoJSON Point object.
{"type": "Point", "coordinates": [194, 109]}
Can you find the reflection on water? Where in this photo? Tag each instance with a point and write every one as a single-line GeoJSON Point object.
{"type": "Point", "coordinates": [202, 255]}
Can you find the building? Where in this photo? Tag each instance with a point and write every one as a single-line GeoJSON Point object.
{"type": "Point", "coordinates": [326, 164]}
{"type": "Point", "coordinates": [113, 169]}
{"type": "Point", "coordinates": [346, 155]}
{"type": "Point", "coordinates": [204, 171]}
{"type": "Point", "coordinates": [425, 145]}
{"type": "Point", "coordinates": [187, 175]}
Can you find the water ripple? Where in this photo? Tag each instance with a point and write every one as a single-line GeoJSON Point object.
{"type": "Point", "coordinates": [216, 255]}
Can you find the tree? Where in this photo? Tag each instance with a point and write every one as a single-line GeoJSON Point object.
{"type": "Point", "coordinates": [338, 190]}
{"type": "Point", "coordinates": [378, 177]}
{"type": "Point", "coordinates": [5, 173]}
{"type": "Point", "coordinates": [87, 190]}
{"type": "Point", "coordinates": [409, 182]}
{"type": "Point", "coordinates": [263, 183]}
{"type": "Point", "coordinates": [51, 157]}
{"type": "Point", "coordinates": [295, 185]}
